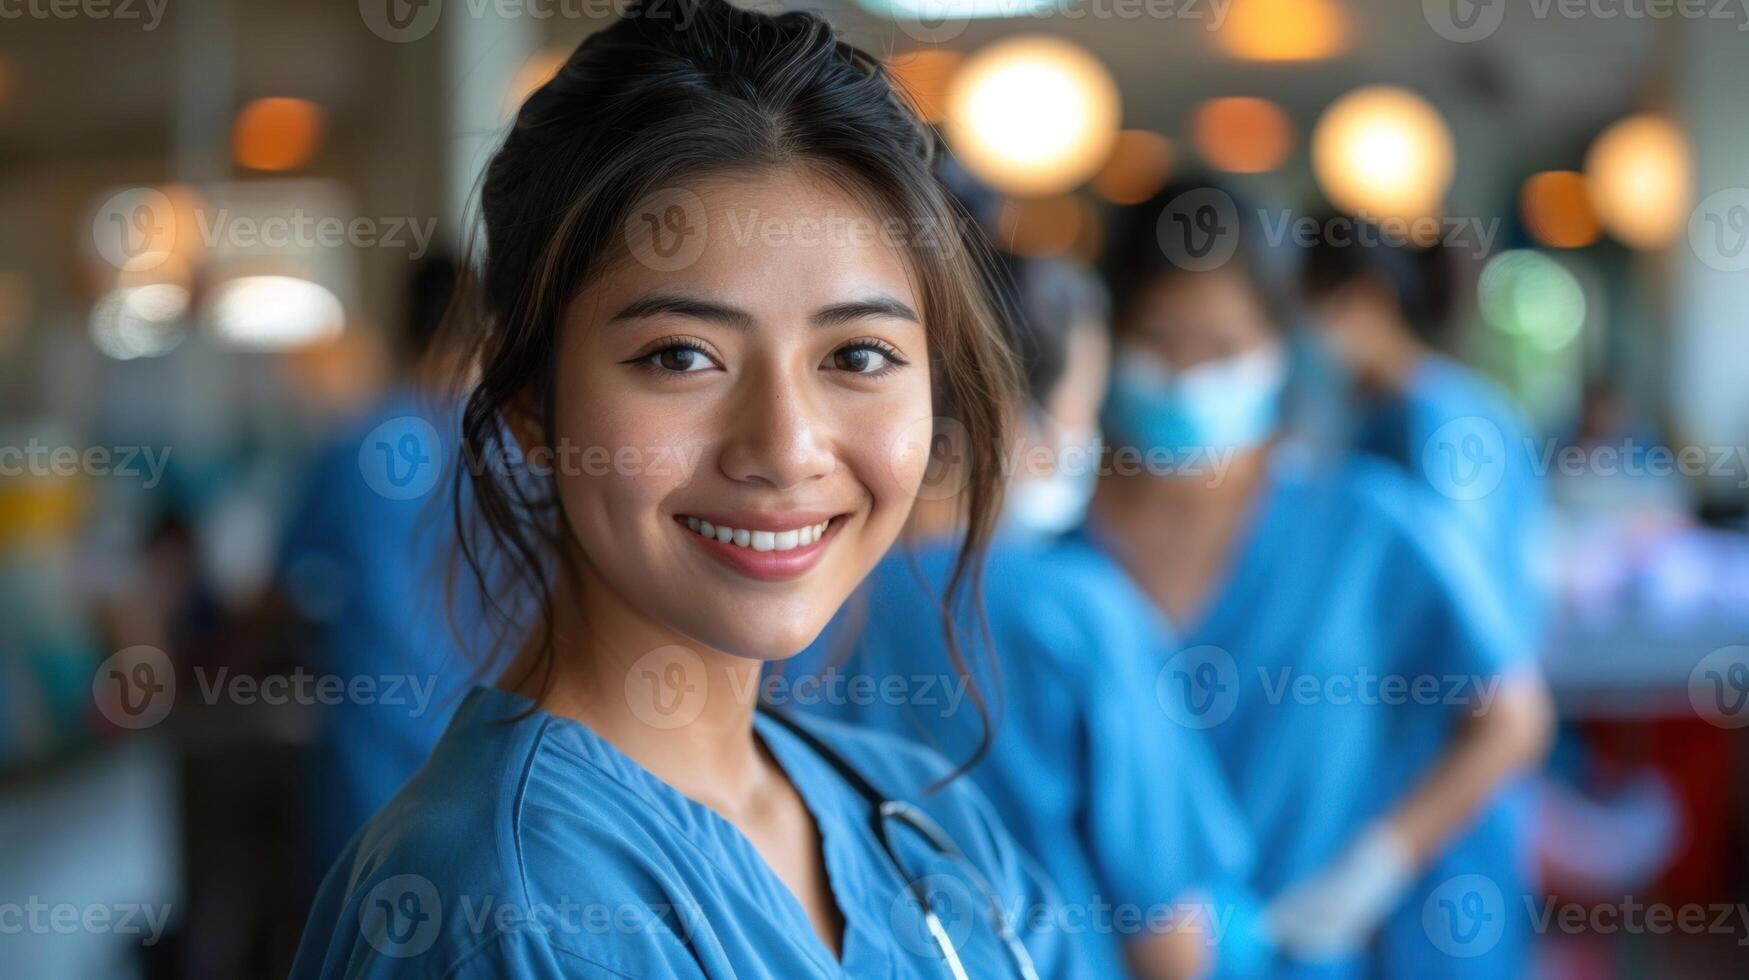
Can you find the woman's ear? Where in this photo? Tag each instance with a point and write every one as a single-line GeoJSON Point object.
{"type": "Point", "coordinates": [526, 420]}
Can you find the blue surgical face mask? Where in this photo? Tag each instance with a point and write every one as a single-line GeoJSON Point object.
{"type": "Point", "coordinates": [1056, 503]}
{"type": "Point", "coordinates": [1224, 405]}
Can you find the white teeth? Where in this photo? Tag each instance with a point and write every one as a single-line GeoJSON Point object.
{"type": "Point", "coordinates": [761, 540]}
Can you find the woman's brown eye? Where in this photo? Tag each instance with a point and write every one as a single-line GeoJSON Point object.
{"type": "Point", "coordinates": [681, 360]}
{"type": "Point", "coordinates": [861, 360]}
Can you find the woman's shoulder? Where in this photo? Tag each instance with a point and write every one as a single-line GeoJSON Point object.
{"type": "Point", "coordinates": [501, 847]}
{"type": "Point", "coordinates": [898, 768]}
{"type": "Point", "coordinates": [891, 763]}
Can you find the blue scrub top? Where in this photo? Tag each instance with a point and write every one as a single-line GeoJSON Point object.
{"type": "Point", "coordinates": [364, 558]}
{"type": "Point", "coordinates": [1126, 811]}
{"type": "Point", "coordinates": [530, 846]}
{"type": "Point", "coordinates": [1460, 436]}
{"type": "Point", "coordinates": [1350, 637]}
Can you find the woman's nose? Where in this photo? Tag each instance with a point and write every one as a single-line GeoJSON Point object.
{"type": "Point", "coordinates": [776, 431]}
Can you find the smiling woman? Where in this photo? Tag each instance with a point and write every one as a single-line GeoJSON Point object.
{"type": "Point", "coordinates": [617, 803]}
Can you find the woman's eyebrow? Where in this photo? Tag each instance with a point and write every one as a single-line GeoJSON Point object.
{"type": "Point", "coordinates": [841, 313]}
{"type": "Point", "coordinates": [698, 309]}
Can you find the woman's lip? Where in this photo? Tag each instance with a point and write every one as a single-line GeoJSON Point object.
{"type": "Point", "coordinates": [767, 566]}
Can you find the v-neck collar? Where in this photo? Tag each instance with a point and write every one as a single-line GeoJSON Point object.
{"type": "Point", "coordinates": [842, 820]}
{"type": "Point", "coordinates": [829, 804]}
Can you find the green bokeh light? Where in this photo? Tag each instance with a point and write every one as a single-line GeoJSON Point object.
{"type": "Point", "coordinates": [1531, 296]}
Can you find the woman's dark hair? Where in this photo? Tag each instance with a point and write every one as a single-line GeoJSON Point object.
{"type": "Point", "coordinates": [1422, 279]}
{"type": "Point", "coordinates": [674, 92]}
{"type": "Point", "coordinates": [1188, 228]}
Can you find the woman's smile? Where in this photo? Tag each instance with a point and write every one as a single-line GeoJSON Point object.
{"type": "Point", "coordinates": [773, 546]}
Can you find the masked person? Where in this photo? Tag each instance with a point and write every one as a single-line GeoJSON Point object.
{"type": "Point", "coordinates": [1123, 809]}
{"type": "Point", "coordinates": [1351, 665]}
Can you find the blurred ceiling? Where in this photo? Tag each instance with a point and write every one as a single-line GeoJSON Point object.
{"type": "Point", "coordinates": [86, 87]}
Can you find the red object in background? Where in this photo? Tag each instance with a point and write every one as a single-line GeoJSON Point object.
{"type": "Point", "coordinates": [1700, 762]}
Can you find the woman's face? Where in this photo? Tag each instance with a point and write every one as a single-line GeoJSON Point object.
{"type": "Point", "coordinates": [1195, 317]}
{"type": "Point", "coordinates": [773, 391]}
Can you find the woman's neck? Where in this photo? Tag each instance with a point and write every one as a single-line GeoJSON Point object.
{"type": "Point", "coordinates": [676, 707]}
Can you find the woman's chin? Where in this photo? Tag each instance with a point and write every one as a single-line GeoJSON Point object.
{"type": "Point", "coordinates": [767, 644]}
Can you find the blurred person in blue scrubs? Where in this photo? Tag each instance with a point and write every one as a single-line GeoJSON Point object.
{"type": "Point", "coordinates": [364, 561]}
{"type": "Point", "coordinates": [1383, 309]}
{"type": "Point", "coordinates": [724, 434]}
{"type": "Point", "coordinates": [1126, 811]}
{"type": "Point", "coordinates": [1359, 679]}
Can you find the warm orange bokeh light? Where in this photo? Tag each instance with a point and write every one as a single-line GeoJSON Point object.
{"type": "Point", "coordinates": [1284, 30]}
{"type": "Point", "coordinates": [1383, 152]}
{"type": "Point", "coordinates": [1556, 210]}
{"type": "Point", "coordinates": [1638, 176]}
{"type": "Point", "coordinates": [1242, 135]}
{"type": "Point", "coordinates": [1139, 165]}
{"type": "Point", "coordinates": [277, 133]}
{"type": "Point", "coordinates": [1033, 115]}
{"type": "Point", "coordinates": [1040, 227]}
{"type": "Point", "coordinates": [923, 76]}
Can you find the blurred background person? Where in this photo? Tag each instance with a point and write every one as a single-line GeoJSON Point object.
{"type": "Point", "coordinates": [1277, 572]}
{"type": "Point", "coordinates": [1124, 811]}
{"type": "Point", "coordinates": [1382, 308]}
{"type": "Point", "coordinates": [365, 561]}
